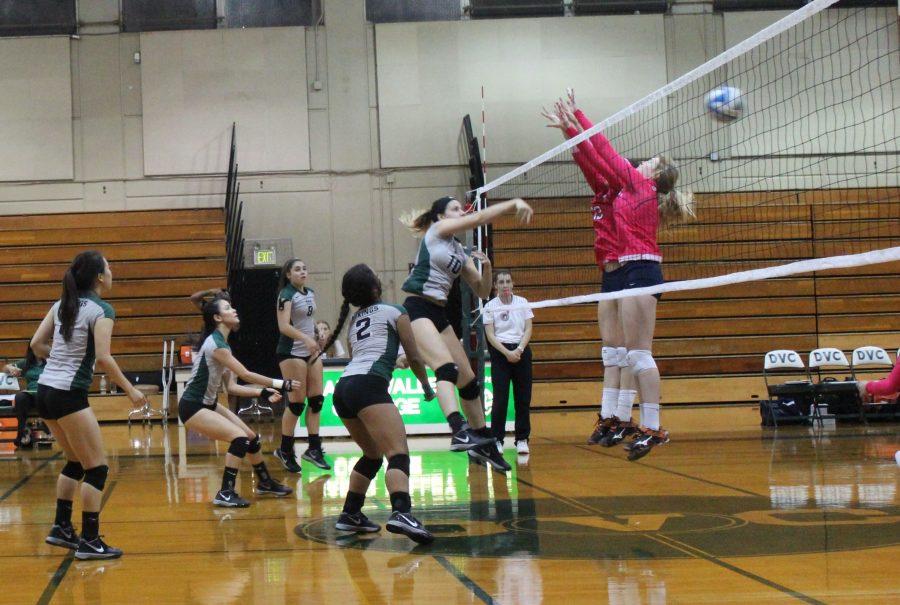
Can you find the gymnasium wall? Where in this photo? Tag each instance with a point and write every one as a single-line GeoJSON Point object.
{"type": "Point", "coordinates": [330, 168]}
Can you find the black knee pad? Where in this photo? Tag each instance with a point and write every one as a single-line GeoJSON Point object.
{"type": "Point", "coordinates": [296, 407]}
{"type": "Point", "coordinates": [254, 446]}
{"type": "Point", "coordinates": [447, 372]}
{"type": "Point", "coordinates": [239, 447]}
{"type": "Point", "coordinates": [73, 470]}
{"type": "Point", "coordinates": [471, 390]}
{"type": "Point", "coordinates": [399, 462]}
{"type": "Point", "coordinates": [367, 467]}
{"type": "Point", "coordinates": [315, 403]}
{"type": "Point", "coordinates": [96, 477]}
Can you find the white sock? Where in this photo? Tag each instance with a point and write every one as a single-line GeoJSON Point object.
{"type": "Point", "coordinates": [626, 401]}
{"type": "Point", "coordinates": [609, 402]}
{"type": "Point", "coordinates": [650, 416]}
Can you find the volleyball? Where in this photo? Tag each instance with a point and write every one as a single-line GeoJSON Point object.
{"type": "Point", "coordinates": [725, 103]}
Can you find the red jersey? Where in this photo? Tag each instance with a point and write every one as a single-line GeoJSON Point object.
{"type": "Point", "coordinates": [887, 386]}
{"type": "Point", "coordinates": [602, 213]}
{"type": "Point", "coordinates": [635, 208]}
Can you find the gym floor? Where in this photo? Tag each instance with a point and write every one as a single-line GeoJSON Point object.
{"type": "Point", "coordinates": [726, 512]}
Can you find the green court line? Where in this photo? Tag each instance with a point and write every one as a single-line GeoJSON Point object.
{"type": "Point", "coordinates": [465, 580]}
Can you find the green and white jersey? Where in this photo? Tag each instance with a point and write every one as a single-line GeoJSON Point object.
{"type": "Point", "coordinates": [303, 307]}
{"type": "Point", "coordinates": [439, 262]}
{"type": "Point", "coordinates": [206, 376]}
{"type": "Point", "coordinates": [70, 366]}
{"type": "Point", "coordinates": [374, 340]}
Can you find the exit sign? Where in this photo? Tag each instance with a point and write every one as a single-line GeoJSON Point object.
{"type": "Point", "coordinates": [264, 256]}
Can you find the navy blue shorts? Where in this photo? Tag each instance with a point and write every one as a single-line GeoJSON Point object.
{"type": "Point", "coordinates": [418, 308]}
{"type": "Point", "coordinates": [614, 280]}
{"type": "Point", "coordinates": [641, 274]}
{"type": "Point", "coordinates": [354, 393]}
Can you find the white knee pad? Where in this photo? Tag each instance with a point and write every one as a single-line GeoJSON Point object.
{"type": "Point", "coordinates": [610, 356]}
{"type": "Point", "coordinates": [640, 361]}
{"type": "Point", "coordinates": [622, 355]}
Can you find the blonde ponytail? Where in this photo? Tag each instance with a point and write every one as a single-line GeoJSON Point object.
{"type": "Point", "coordinates": [676, 207]}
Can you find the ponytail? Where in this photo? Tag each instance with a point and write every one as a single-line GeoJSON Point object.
{"type": "Point", "coordinates": [342, 317]}
{"type": "Point", "coordinates": [418, 221]}
{"type": "Point", "coordinates": [674, 206]}
{"type": "Point", "coordinates": [79, 278]}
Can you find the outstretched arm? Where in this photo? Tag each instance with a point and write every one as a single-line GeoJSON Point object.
{"type": "Point", "coordinates": [452, 226]}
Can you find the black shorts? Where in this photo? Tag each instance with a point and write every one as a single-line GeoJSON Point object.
{"type": "Point", "coordinates": [186, 409]}
{"type": "Point", "coordinates": [53, 404]}
{"type": "Point", "coordinates": [641, 274]}
{"type": "Point", "coordinates": [281, 357]}
{"type": "Point", "coordinates": [614, 280]}
{"type": "Point", "coordinates": [354, 393]}
{"type": "Point", "coordinates": [419, 307]}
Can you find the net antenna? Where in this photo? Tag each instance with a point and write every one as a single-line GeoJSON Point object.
{"type": "Point", "coordinates": [805, 179]}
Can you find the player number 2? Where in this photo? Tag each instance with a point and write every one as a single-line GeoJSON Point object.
{"type": "Point", "coordinates": [362, 326]}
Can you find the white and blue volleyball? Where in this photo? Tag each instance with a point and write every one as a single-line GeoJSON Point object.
{"type": "Point", "coordinates": [725, 103]}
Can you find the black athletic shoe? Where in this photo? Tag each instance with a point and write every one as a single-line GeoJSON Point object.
{"type": "Point", "coordinates": [64, 536]}
{"type": "Point", "coordinates": [317, 457]}
{"type": "Point", "coordinates": [601, 428]}
{"type": "Point", "coordinates": [409, 526]}
{"type": "Point", "coordinates": [489, 455]}
{"type": "Point", "coordinates": [288, 461]}
{"type": "Point", "coordinates": [646, 441]}
{"type": "Point", "coordinates": [357, 522]}
{"type": "Point", "coordinates": [96, 549]}
{"type": "Point", "coordinates": [622, 431]}
{"type": "Point", "coordinates": [466, 439]}
{"type": "Point", "coordinates": [230, 499]}
{"type": "Point", "coordinates": [273, 488]}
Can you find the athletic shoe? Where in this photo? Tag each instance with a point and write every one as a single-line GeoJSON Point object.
{"type": "Point", "coordinates": [466, 439]}
{"type": "Point", "coordinates": [601, 427]}
{"type": "Point", "coordinates": [522, 446]}
{"type": "Point", "coordinates": [96, 549]}
{"type": "Point", "coordinates": [500, 447]}
{"type": "Point", "coordinates": [476, 458]}
{"type": "Point", "coordinates": [274, 488]}
{"type": "Point", "coordinates": [409, 526]}
{"type": "Point", "coordinates": [357, 522]}
{"type": "Point", "coordinates": [288, 461]}
{"type": "Point", "coordinates": [646, 441]}
{"type": "Point", "coordinates": [63, 535]}
{"type": "Point", "coordinates": [490, 455]}
{"type": "Point", "coordinates": [317, 457]}
{"type": "Point", "coordinates": [622, 431]}
{"type": "Point", "coordinates": [230, 499]}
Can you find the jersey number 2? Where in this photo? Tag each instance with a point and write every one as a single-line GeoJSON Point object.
{"type": "Point", "coordinates": [362, 325]}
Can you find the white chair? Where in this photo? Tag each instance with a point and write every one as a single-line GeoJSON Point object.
{"type": "Point", "coordinates": [868, 357]}
{"type": "Point", "coordinates": [787, 362]}
{"type": "Point", "coordinates": [828, 389]}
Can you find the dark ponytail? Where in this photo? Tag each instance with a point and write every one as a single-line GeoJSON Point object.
{"type": "Point", "coordinates": [79, 278]}
{"type": "Point", "coordinates": [210, 310]}
{"type": "Point", "coordinates": [360, 288]}
{"type": "Point", "coordinates": [283, 278]}
{"type": "Point", "coordinates": [420, 221]}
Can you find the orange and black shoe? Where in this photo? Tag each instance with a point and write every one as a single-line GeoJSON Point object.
{"type": "Point", "coordinates": [645, 442]}
{"type": "Point", "coordinates": [622, 430]}
{"type": "Point", "coordinates": [601, 428]}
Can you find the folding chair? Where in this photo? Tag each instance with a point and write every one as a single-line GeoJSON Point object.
{"type": "Point", "coordinates": [868, 357]}
{"type": "Point", "coordinates": [785, 361]}
{"type": "Point", "coordinates": [827, 389]}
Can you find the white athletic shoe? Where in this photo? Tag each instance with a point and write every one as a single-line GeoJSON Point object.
{"type": "Point", "coordinates": [522, 447]}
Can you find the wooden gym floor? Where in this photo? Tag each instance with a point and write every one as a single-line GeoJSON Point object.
{"type": "Point", "coordinates": [726, 512]}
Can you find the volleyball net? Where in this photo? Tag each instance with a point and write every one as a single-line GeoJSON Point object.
{"type": "Point", "coordinates": [805, 179]}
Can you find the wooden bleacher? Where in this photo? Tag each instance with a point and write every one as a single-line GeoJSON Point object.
{"type": "Point", "coordinates": [158, 258]}
{"type": "Point", "coordinates": [709, 343]}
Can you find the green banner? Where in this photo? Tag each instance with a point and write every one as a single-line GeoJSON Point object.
{"type": "Point", "coordinates": [419, 416]}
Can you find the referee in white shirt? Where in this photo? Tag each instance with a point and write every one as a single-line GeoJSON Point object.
{"type": "Point", "coordinates": [507, 325]}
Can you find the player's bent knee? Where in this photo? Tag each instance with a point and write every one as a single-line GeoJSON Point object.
{"type": "Point", "coordinates": [471, 391]}
{"type": "Point", "coordinates": [295, 407]}
{"type": "Point", "coordinates": [96, 477]}
{"type": "Point", "coordinates": [399, 462]}
{"type": "Point", "coordinates": [610, 356]}
{"type": "Point", "coordinates": [315, 403]}
{"type": "Point", "coordinates": [447, 373]}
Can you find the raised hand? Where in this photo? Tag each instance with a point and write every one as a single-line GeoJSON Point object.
{"type": "Point", "coordinates": [570, 99]}
{"type": "Point", "coordinates": [523, 211]}
{"type": "Point", "coordinates": [554, 120]}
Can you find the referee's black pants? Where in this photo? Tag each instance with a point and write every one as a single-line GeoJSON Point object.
{"type": "Point", "coordinates": [502, 373]}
